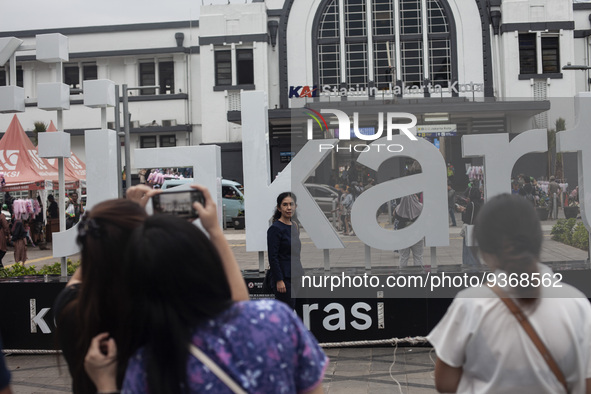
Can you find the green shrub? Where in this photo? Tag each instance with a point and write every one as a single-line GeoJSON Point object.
{"type": "Point", "coordinates": [19, 269]}
{"type": "Point", "coordinates": [571, 233]}
{"type": "Point", "coordinates": [53, 269]}
{"type": "Point", "coordinates": [580, 238]}
{"type": "Point", "coordinates": [562, 230]}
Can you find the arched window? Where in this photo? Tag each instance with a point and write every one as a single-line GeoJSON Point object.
{"type": "Point", "coordinates": [407, 40]}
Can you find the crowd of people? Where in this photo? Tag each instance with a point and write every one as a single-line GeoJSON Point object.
{"type": "Point", "coordinates": [529, 188]}
{"type": "Point", "coordinates": [22, 225]}
{"type": "Point", "coordinates": [155, 177]}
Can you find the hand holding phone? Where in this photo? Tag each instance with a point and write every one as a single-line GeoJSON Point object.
{"type": "Point", "coordinates": [207, 210]}
{"type": "Point", "coordinates": [141, 194]}
{"type": "Point", "coordinates": [178, 203]}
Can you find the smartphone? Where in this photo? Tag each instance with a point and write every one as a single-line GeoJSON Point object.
{"type": "Point", "coordinates": [178, 203]}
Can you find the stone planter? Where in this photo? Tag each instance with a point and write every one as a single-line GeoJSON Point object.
{"type": "Point", "coordinates": [238, 222]}
{"type": "Point", "coordinates": [542, 213]}
{"type": "Point", "coordinates": [571, 212]}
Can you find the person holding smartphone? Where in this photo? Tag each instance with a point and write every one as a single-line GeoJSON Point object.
{"type": "Point", "coordinates": [95, 297]}
{"type": "Point", "coordinates": [186, 334]}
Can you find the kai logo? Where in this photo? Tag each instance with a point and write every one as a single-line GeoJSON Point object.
{"type": "Point", "coordinates": [303, 91]}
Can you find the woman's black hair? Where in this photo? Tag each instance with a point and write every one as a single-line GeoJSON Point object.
{"type": "Point", "coordinates": [175, 281]}
{"type": "Point", "coordinates": [280, 199]}
{"type": "Point", "coordinates": [508, 227]}
{"type": "Point", "coordinates": [102, 234]}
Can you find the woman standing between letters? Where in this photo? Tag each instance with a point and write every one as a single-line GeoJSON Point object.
{"type": "Point", "coordinates": [283, 248]}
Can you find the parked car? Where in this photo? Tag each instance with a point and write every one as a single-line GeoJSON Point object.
{"type": "Point", "coordinates": [232, 195]}
{"type": "Point", "coordinates": [324, 195]}
{"type": "Point", "coordinates": [233, 199]}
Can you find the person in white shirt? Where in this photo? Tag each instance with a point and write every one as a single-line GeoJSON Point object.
{"type": "Point", "coordinates": [481, 347]}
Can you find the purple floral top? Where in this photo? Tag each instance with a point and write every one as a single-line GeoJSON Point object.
{"type": "Point", "coordinates": [262, 345]}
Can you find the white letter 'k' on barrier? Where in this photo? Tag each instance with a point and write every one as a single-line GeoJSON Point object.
{"type": "Point", "coordinates": [261, 194]}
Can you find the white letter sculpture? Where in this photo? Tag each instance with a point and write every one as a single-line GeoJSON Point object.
{"type": "Point", "coordinates": [260, 194]}
{"type": "Point", "coordinates": [205, 160]}
{"type": "Point", "coordinates": [101, 183]}
{"type": "Point", "coordinates": [431, 224]}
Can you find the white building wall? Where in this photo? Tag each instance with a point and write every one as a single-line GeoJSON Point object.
{"type": "Point", "coordinates": [213, 104]}
{"type": "Point", "coordinates": [77, 146]}
{"type": "Point", "coordinates": [300, 33]}
{"type": "Point", "coordinates": [528, 12]}
{"type": "Point", "coordinates": [515, 11]}
{"type": "Point", "coordinates": [123, 40]}
{"type": "Point", "coordinates": [221, 20]}
{"type": "Point", "coordinates": [565, 87]}
{"type": "Point", "coordinates": [206, 109]}
{"type": "Point", "coordinates": [275, 4]}
{"type": "Point", "coordinates": [582, 51]}
{"type": "Point", "coordinates": [121, 70]}
{"type": "Point", "coordinates": [469, 45]}
{"type": "Point", "coordinates": [194, 103]}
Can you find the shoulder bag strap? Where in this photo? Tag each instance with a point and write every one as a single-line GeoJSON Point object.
{"type": "Point", "coordinates": [531, 332]}
{"type": "Point", "coordinates": [213, 367]}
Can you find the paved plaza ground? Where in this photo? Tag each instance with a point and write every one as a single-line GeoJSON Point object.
{"type": "Point", "coordinates": [383, 369]}
{"type": "Point", "coordinates": [351, 371]}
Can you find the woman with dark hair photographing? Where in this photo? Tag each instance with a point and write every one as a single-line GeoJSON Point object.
{"type": "Point", "coordinates": [184, 332]}
{"type": "Point", "coordinates": [526, 332]}
{"type": "Point", "coordinates": [95, 297]}
{"type": "Point", "coordinates": [283, 248]}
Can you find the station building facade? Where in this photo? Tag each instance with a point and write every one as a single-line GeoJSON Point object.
{"type": "Point", "coordinates": [483, 66]}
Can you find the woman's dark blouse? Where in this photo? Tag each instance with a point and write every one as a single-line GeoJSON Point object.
{"type": "Point", "coordinates": [283, 247]}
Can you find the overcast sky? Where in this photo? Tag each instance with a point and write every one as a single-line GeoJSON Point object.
{"type": "Point", "coordinates": [42, 14]}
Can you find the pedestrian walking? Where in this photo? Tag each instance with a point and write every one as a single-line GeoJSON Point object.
{"type": "Point", "coordinates": [4, 234]}
{"type": "Point", "coordinates": [19, 236]}
{"type": "Point", "coordinates": [451, 204]}
{"type": "Point", "coordinates": [469, 216]}
{"type": "Point", "coordinates": [407, 212]}
{"type": "Point", "coordinates": [553, 192]}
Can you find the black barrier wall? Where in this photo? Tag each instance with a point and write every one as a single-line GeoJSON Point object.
{"type": "Point", "coordinates": [26, 305]}
{"type": "Point", "coordinates": [26, 312]}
